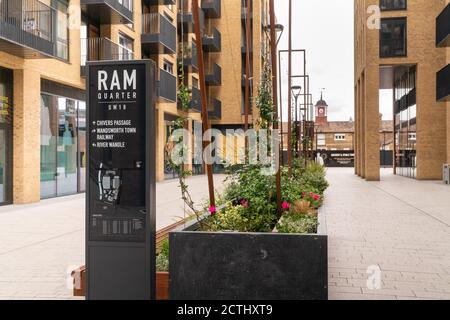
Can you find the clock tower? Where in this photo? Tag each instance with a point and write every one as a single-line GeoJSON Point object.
{"type": "Point", "coordinates": [321, 111]}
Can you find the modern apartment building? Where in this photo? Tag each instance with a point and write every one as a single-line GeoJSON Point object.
{"type": "Point", "coordinates": [44, 48]}
{"type": "Point", "coordinates": [402, 53]}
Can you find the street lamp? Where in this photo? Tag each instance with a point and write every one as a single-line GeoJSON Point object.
{"type": "Point", "coordinates": [279, 28]}
{"type": "Point", "coordinates": [296, 91]}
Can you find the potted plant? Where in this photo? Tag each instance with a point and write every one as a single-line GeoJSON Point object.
{"type": "Point", "coordinates": [244, 250]}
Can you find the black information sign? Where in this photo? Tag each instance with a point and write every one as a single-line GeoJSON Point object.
{"type": "Point", "coordinates": [121, 180]}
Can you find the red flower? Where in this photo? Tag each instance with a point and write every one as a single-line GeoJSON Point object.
{"type": "Point", "coordinates": [244, 203]}
{"type": "Point", "coordinates": [212, 210]}
{"type": "Point", "coordinates": [316, 197]}
{"type": "Point", "coordinates": [286, 205]}
{"type": "Point", "coordinates": [303, 194]}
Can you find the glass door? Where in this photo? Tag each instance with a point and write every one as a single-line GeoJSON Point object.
{"type": "Point", "coordinates": [49, 139]}
{"type": "Point", "coordinates": [82, 145]}
{"type": "Point", "coordinates": [4, 168]}
{"type": "Point", "coordinates": [67, 171]}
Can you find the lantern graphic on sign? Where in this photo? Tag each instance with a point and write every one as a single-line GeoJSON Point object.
{"type": "Point", "coordinates": [109, 183]}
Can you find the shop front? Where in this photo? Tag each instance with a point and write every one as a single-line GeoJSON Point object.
{"type": "Point", "coordinates": [6, 94]}
{"type": "Point", "coordinates": [63, 141]}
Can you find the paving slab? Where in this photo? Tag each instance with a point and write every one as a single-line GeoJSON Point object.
{"type": "Point", "coordinates": [397, 229]}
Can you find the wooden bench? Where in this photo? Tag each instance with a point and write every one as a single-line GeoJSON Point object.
{"type": "Point", "coordinates": [79, 275]}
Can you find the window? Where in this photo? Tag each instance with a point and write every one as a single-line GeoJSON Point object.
{"type": "Point", "coordinates": [339, 137]}
{"type": "Point", "coordinates": [127, 4]}
{"type": "Point", "coordinates": [62, 31]}
{"type": "Point", "coordinates": [393, 34]}
{"type": "Point", "coordinates": [125, 47]}
{"type": "Point", "coordinates": [168, 66]}
{"type": "Point", "coordinates": [387, 5]}
{"type": "Point", "coordinates": [194, 82]}
{"type": "Point", "coordinates": [321, 141]}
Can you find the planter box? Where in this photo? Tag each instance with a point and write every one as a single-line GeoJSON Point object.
{"type": "Point", "coordinates": [162, 286]}
{"type": "Point", "coordinates": [248, 266]}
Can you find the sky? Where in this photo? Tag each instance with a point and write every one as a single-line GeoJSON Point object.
{"type": "Point", "coordinates": [325, 29]}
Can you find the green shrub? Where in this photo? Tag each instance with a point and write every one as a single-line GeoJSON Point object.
{"type": "Point", "coordinates": [296, 223]}
{"type": "Point", "coordinates": [162, 259]}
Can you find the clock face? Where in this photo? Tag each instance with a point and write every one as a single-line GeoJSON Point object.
{"type": "Point", "coordinates": [321, 111]}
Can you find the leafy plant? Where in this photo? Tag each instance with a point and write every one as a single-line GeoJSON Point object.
{"type": "Point", "coordinates": [297, 223]}
{"type": "Point", "coordinates": [162, 259]}
{"type": "Point", "coordinates": [264, 99]}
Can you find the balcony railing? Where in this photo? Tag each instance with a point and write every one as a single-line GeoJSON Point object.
{"type": "Point", "coordinates": [443, 84]}
{"type": "Point", "coordinates": [196, 102]}
{"type": "Point", "coordinates": [212, 42]}
{"type": "Point", "coordinates": [108, 11]}
{"type": "Point", "coordinates": [213, 74]}
{"type": "Point", "coordinates": [188, 55]}
{"type": "Point", "coordinates": [27, 29]}
{"type": "Point", "coordinates": [212, 8]}
{"type": "Point", "coordinates": [443, 28]}
{"type": "Point", "coordinates": [216, 112]}
{"type": "Point", "coordinates": [167, 86]}
{"type": "Point", "coordinates": [159, 35]}
{"type": "Point", "coordinates": [102, 48]}
{"type": "Point", "coordinates": [186, 18]}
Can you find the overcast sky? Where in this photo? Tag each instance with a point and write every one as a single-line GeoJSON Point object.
{"type": "Point", "coordinates": [325, 29]}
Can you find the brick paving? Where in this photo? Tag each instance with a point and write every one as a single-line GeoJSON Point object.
{"type": "Point", "coordinates": [400, 226]}
{"type": "Point", "coordinates": [41, 243]}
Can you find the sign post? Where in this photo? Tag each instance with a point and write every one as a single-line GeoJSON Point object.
{"type": "Point", "coordinates": [120, 200]}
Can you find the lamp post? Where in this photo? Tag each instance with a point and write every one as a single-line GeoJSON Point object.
{"type": "Point", "coordinates": [296, 91]}
{"type": "Point", "coordinates": [273, 52]}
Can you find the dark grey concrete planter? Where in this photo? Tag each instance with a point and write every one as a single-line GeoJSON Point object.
{"type": "Point", "coordinates": [248, 266]}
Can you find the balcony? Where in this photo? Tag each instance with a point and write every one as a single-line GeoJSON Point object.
{"type": "Point", "coordinates": [189, 56]}
{"type": "Point", "coordinates": [27, 28]}
{"type": "Point", "coordinates": [443, 84]}
{"type": "Point", "coordinates": [212, 42]}
{"type": "Point", "coordinates": [212, 8]}
{"type": "Point", "coordinates": [108, 11]}
{"type": "Point", "coordinates": [159, 35]}
{"type": "Point", "coordinates": [213, 75]}
{"type": "Point", "coordinates": [443, 28]}
{"type": "Point", "coordinates": [159, 2]}
{"type": "Point", "coordinates": [99, 49]}
{"type": "Point", "coordinates": [216, 112]}
{"type": "Point", "coordinates": [186, 20]}
{"type": "Point", "coordinates": [167, 86]}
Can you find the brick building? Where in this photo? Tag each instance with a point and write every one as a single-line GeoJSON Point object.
{"type": "Point", "coordinates": [405, 53]}
{"type": "Point", "coordinates": [44, 48]}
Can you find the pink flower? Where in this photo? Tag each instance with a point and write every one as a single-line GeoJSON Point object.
{"type": "Point", "coordinates": [316, 197]}
{"type": "Point", "coordinates": [244, 203]}
{"type": "Point", "coordinates": [303, 194]}
{"type": "Point", "coordinates": [286, 205]}
{"type": "Point", "coordinates": [212, 210]}
{"type": "Point", "coordinates": [311, 193]}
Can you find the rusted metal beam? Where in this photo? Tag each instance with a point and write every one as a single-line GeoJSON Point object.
{"type": "Point", "coordinates": [205, 120]}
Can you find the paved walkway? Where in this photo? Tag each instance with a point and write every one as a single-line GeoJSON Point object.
{"type": "Point", "coordinates": [400, 226]}
{"type": "Point", "coordinates": [41, 243]}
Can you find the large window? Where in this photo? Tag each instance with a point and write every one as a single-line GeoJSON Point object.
{"type": "Point", "coordinates": [405, 110]}
{"type": "Point", "coordinates": [62, 29]}
{"type": "Point", "coordinates": [63, 146]}
{"type": "Point", "coordinates": [125, 47]}
{"type": "Point", "coordinates": [387, 5]}
{"type": "Point", "coordinates": [5, 135]}
{"type": "Point", "coordinates": [393, 38]}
